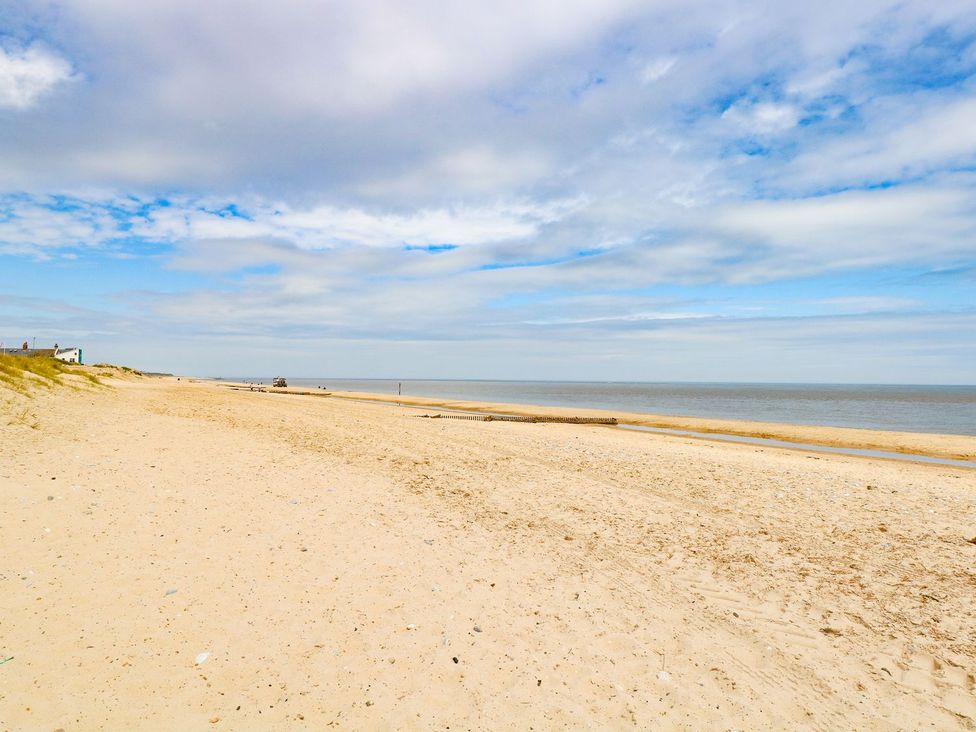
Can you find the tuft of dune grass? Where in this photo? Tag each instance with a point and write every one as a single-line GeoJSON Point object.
{"type": "Point", "coordinates": [24, 417]}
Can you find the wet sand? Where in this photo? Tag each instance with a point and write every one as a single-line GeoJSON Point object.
{"type": "Point", "coordinates": [180, 555]}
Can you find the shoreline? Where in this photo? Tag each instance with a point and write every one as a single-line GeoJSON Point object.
{"type": "Point", "coordinates": [912, 408]}
{"type": "Point", "coordinates": [925, 444]}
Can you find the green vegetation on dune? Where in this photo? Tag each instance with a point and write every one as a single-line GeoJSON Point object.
{"type": "Point", "coordinates": [20, 373]}
{"type": "Point", "coordinates": [126, 369]}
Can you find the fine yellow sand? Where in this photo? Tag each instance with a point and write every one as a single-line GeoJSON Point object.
{"type": "Point", "coordinates": [177, 555]}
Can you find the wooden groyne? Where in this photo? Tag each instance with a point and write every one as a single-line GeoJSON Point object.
{"type": "Point", "coordinates": [532, 419]}
{"type": "Point", "coordinates": [276, 390]}
{"type": "Point", "coordinates": [528, 419]}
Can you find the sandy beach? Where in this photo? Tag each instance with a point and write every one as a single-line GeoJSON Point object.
{"type": "Point", "coordinates": [178, 555]}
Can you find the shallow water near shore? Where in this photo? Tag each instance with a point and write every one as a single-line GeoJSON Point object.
{"type": "Point", "coordinates": [910, 408]}
{"type": "Point", "coordinates": [767, 442]}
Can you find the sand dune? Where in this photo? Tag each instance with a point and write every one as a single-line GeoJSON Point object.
{"type": "Point", "coordinates": [181, 556]}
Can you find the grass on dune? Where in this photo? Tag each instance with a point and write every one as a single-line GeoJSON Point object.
{"type": "Point", "coordinates": [124, 369]}
{"type": "Point", "coordinates": [19, 373]}
{"type": "Point", "coordinates": [20, 376]}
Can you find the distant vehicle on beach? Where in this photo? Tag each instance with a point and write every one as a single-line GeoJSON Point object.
{"type": "Point", "coordinates": [279, 381]}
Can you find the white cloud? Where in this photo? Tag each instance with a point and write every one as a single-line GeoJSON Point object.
{"type": "Point", "coordinates": [29, 224]}
{"type": "Point", "coordinates": [743, 242]}
{"type": "Point", "coordinates": [851, 229]}
{"type": "Point", "coordinates": [336, 57]}
{"type": "Point", "coordinates": [657, 69]}
{"type": "Point", "coordinates": [812, 83]}
{"type": "Point", "coordinates": [905, 140]}
{"type": "Point", "coordinates": [143, 162]}
{"type": "Point", "coordinates": [471, 170]}
{"type": "Point", "coordinates": [626, 318]}
{"type": "Point", "coordinates": [324, 227]}
{"type": "Point", "coordinates": [459, 227]}
{"type": "Point", "coordinates": [762, 118]}
{"type": "Point", "coordinates": [869, 303]}
{"type": "Point", "coordinates": [28, 74]}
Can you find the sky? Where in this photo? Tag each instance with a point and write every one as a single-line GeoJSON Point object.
{"type": "Point", "coordinates": [534, 189]}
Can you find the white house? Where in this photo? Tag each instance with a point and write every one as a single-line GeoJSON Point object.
{"type": "Point", "coordinates": [71, 355]}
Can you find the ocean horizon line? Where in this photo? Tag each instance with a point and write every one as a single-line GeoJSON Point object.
{"type": "Point", "coordinates": [595, 381]}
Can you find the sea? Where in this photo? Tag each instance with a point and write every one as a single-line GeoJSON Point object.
{"type": "Point", "coordinates": [908, 408]}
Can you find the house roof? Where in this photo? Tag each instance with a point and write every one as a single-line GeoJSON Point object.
{"type": "Point", "coordinates": [28, 352]}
